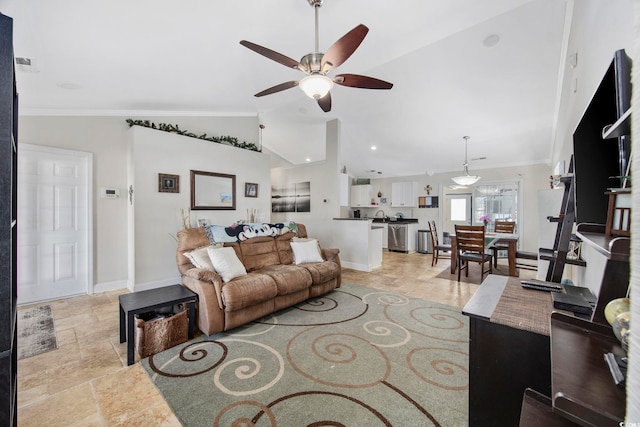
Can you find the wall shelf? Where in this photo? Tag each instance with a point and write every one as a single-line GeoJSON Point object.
{"type": "Point", "coordinates": [621, 127]}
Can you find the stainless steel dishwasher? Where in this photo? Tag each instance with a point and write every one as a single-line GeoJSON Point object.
{"type": "Point", "coordinates": [398, 239]}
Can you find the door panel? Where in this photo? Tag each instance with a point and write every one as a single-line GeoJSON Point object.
{"type": "Point", "coordinates": [53, 213]}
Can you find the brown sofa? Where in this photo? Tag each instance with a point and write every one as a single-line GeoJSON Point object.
{"type": "Point", "coordinates": [273, 281]}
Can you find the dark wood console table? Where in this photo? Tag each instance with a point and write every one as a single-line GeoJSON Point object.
{"type": "Point", "coordinates": [583, 390]}
{"type": "Point", "coordinates": [615, 278]}
{"type": "Point", "coordinates": [509, 349]}
{"type": "Point", "coordinates": [517, 341]}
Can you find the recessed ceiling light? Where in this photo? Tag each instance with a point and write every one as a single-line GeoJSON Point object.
{"type": "Point", "coordinates": [308, 159]}
{"type": "Point", "coordinates": [491, 40]}
{"type": "Point", "coordinates": [373, 147]}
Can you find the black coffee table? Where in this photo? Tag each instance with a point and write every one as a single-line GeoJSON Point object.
{"type": "Point", "coordinates": [146, 301]}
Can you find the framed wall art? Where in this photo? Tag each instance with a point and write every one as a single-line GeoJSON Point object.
{"type": "Point", "coordinates": [168, 183]}
{"type": "Point", "coordinates": [212, 191]}
{"type": "Point", "coordinates": [250, 189]}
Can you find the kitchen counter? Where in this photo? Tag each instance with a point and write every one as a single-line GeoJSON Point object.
{"type": "Point", "coordinates": [359, 241]}
{"type": "Point", "coordinates": [398, 221]}
{"type": "Point", "coordinates": [381, 220]}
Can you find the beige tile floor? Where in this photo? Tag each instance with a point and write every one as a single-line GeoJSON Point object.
{"type": "Point", "coordinates": [86, 382]}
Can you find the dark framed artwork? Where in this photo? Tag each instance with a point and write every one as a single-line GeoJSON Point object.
{"type": "Point", "coordinates": [291, 198]}
{"type": "Point", "coordinates": [168, 183]}
{"type": "Point", "coordinates": [250, 189]}
{"type": "Point", "coordinates": [212, 191]}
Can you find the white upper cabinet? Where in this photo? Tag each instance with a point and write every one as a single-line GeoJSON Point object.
{"type": "Point", "coordinates": [361, 195]}
{"type": "Point", "coordinates": [404, 194]}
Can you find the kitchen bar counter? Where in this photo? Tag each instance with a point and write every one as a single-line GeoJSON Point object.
{"type": "Point", "coordinates": [359, 241]}
{"type": "Point", "coordinates": [381, 220]}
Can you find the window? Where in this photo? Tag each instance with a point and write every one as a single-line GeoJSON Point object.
{"type": "Point", "coordinates": [498, 201]}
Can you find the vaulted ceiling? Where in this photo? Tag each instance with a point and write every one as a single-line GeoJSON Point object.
{"type": "Point", "coordinates": [484, 68]}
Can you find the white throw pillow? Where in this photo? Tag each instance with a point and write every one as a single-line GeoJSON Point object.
{"type": "Point", "coordinates": [226, 263]}
{"type": "Point", "coordinates": [200, 257]}
{"type": "Point", "coordinates": [306, 251]}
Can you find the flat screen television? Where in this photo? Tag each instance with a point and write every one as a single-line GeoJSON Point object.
{"type": "Point", "coordinates": [596, 160]}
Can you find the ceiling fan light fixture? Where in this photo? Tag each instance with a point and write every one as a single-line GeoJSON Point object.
{"type": "Point", "coordinates": [316, 86]}
{"type": "Point", "coordinates": [466, 179]}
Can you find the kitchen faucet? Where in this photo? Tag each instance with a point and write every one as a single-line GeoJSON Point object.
{"type": "Point", "coordinates": [383, 214]}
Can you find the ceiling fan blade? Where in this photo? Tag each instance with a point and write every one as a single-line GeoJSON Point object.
{"type": "Point", "coordinates": [272, 54]}
{"type": "Point", "coordinates": [363, 82]}
{"type": "Point", "coordinates": [341, 50]}
{"type": "Point", "coordinates": [278, 88]}
{"type": "Point", "coordinates": [325, 102]}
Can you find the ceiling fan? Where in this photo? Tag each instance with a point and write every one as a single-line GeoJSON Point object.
{"type": "Point", "coordinates": [316, 84]}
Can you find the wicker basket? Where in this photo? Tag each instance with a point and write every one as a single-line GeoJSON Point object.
{"type": "Point", "coordinates": [154, 336]}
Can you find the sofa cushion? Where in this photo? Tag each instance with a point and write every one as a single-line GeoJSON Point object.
{"type": "Point", "coordinates": [200, 257]}
{"type": "Point", "coordinates": [306, 251]}
{"type": "Point", "coordinates": [259, 252]}
{"type": "Point", "coordinates": [248, 290]}
{"type": "Point", "coordinates": [322, 272]}
{"type": "Point", "coordinates": [283, 244]}
{"type": "Point", "coordinates": [288, 278]}
{"type": "Point", "coordinates": [226, 263]}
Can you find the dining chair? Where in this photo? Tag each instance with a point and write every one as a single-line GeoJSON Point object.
{"type": "Point", "coordinates": [508, 227]}
{"type": "Point", "coordinates": [470, 248]}
{"type": "Point", "coordinates": [435, 244]}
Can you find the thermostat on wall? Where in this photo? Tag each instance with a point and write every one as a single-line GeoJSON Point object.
{"type": "Point", "coordinates": [109, 193]}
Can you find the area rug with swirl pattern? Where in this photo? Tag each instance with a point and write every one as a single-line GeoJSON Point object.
{"type": "Point", "coordinates": [356, 356]}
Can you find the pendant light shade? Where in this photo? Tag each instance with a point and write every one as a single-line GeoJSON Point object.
{"type": "Point", "coordinates": [466, 179]}
{"type": "Point", "coordinates": [316, 86]}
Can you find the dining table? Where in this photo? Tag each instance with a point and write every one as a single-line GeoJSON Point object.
{"type": "Point", "coordinates": [508, 239]}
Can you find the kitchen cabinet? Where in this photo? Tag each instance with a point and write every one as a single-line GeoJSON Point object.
{"type": "Point", "coordinates": [361, 195]}
{"type": "Point", "coordinates": [385, 235]}
{"type": "Point", "coordinates": [404, 194]}
{"type": "Point", "coordinates": [375, 246]}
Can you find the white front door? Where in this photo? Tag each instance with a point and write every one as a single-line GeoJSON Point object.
{"type": "Point", "coordinates": [54, 223]}
{"type": "Point", "coordinates": [457, 210]}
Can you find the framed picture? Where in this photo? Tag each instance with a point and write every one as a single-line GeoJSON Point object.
{"type": "Point", "coordinates": [168, 183]}
{"type": "Point", "coordinates": [250, 189]}
{"type": "Point", "coordinates": [212, 191]}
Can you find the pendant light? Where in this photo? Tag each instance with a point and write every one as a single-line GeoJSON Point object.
{"type": "Point", "coordinates": [466, 179]}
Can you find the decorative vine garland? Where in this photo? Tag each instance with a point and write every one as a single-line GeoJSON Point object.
{"type": "Point", "coordinates": [231, 140]}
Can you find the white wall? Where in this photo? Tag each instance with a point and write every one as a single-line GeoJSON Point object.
{"type": "Point", "coordinates": [107, 139]}
{"type": "Point", "coordinates": [598, 29]}
{"type": "Point", "coordinates": [323, 177]}
{"type": "Point", "coordinates": [158, 215]}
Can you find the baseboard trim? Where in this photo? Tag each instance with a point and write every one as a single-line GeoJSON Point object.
{"type": "Point", "coordinates": [156, 284]}
{"type": "Point", "coordinates": [109, 286]}
{"type": "Point", "coordinates": [356, 266]}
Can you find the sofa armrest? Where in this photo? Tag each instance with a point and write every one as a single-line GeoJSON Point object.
{"type": "Point", "coordinates": [208, 286]}
{"type": "Point", "coordinates": [331, 254]}
{"type": "Point", "coordinates": [206, 276]}
{"type": "Point", "coordinates": [203, 274]}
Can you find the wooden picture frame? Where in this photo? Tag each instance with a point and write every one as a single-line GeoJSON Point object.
{"type": "Point", "coordinates": [168, 183]}
{"type": "Point", "coordinates": [250, 189]}
{"type": "Point", "coordinates": [212, 191]}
